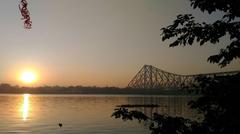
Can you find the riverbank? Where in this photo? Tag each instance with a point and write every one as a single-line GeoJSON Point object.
{"type": "Point", "coordinates": [110, 91]}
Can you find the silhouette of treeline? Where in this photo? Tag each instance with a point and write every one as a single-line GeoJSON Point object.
{"type": "Point", "coordinates": [7, 88]}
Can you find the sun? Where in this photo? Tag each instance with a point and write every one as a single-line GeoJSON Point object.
{"type": "Point", "coordinates": [28, 77]}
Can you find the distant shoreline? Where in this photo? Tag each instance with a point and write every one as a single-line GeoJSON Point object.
{"type": "Point", "coordinates": [8, 89]}
{"type": "Point", "coordinates": [102, 92]}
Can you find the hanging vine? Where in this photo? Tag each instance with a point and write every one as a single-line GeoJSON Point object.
{"type": "Point", "coordinates": [25, 14]}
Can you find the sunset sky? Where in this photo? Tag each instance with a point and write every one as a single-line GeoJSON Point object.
{"type": "Point", "coordinates": [97, 42]}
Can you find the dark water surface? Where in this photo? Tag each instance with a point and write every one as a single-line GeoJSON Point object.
{"type": "Point", "coordinates": [81, 114]}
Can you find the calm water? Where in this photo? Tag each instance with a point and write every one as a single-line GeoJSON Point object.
{"type": "Point", "coordinates": [81, 114]}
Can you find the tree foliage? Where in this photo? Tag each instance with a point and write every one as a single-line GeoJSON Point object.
{"type": "Point", "coordinates": [217, 105]}
{"type": "Point", "coordinates": [160, 124]}
{"type": "Point", "coordinates": [187, 30]}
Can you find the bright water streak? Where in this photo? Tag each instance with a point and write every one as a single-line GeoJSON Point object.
{"type": "Point", "coordinates": [25, 106]}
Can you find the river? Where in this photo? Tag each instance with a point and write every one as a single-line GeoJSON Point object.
{"type": "Point", "coordinates": [82, 114]}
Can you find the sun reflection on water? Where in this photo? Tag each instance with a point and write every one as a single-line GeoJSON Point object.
{"type": "Point", "coordinates": [25, 107]}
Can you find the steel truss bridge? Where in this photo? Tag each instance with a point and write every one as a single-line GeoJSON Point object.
{"type": "Point", "coordinates": [150, 77]}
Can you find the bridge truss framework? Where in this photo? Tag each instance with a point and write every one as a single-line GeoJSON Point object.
{"type": "Point", "coordinates": [150, 77]}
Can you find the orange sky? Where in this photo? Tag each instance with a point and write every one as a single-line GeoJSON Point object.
{"type": "Point", "coordinates": [101, 42]}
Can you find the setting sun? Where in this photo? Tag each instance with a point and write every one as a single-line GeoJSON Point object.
{"type": "Point", "coordinates": [28, 77]}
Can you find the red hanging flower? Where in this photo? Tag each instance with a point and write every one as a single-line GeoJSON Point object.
{"type": "Point", "coordinates": [25, 14]}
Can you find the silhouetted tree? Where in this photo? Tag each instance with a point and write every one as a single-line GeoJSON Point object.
{"type": "Point", "coordinates": [218, 103]}
{"type": "Point", "coordinates": [187, 30]}
{"type": "Point", "coordinates": [162, 124]}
